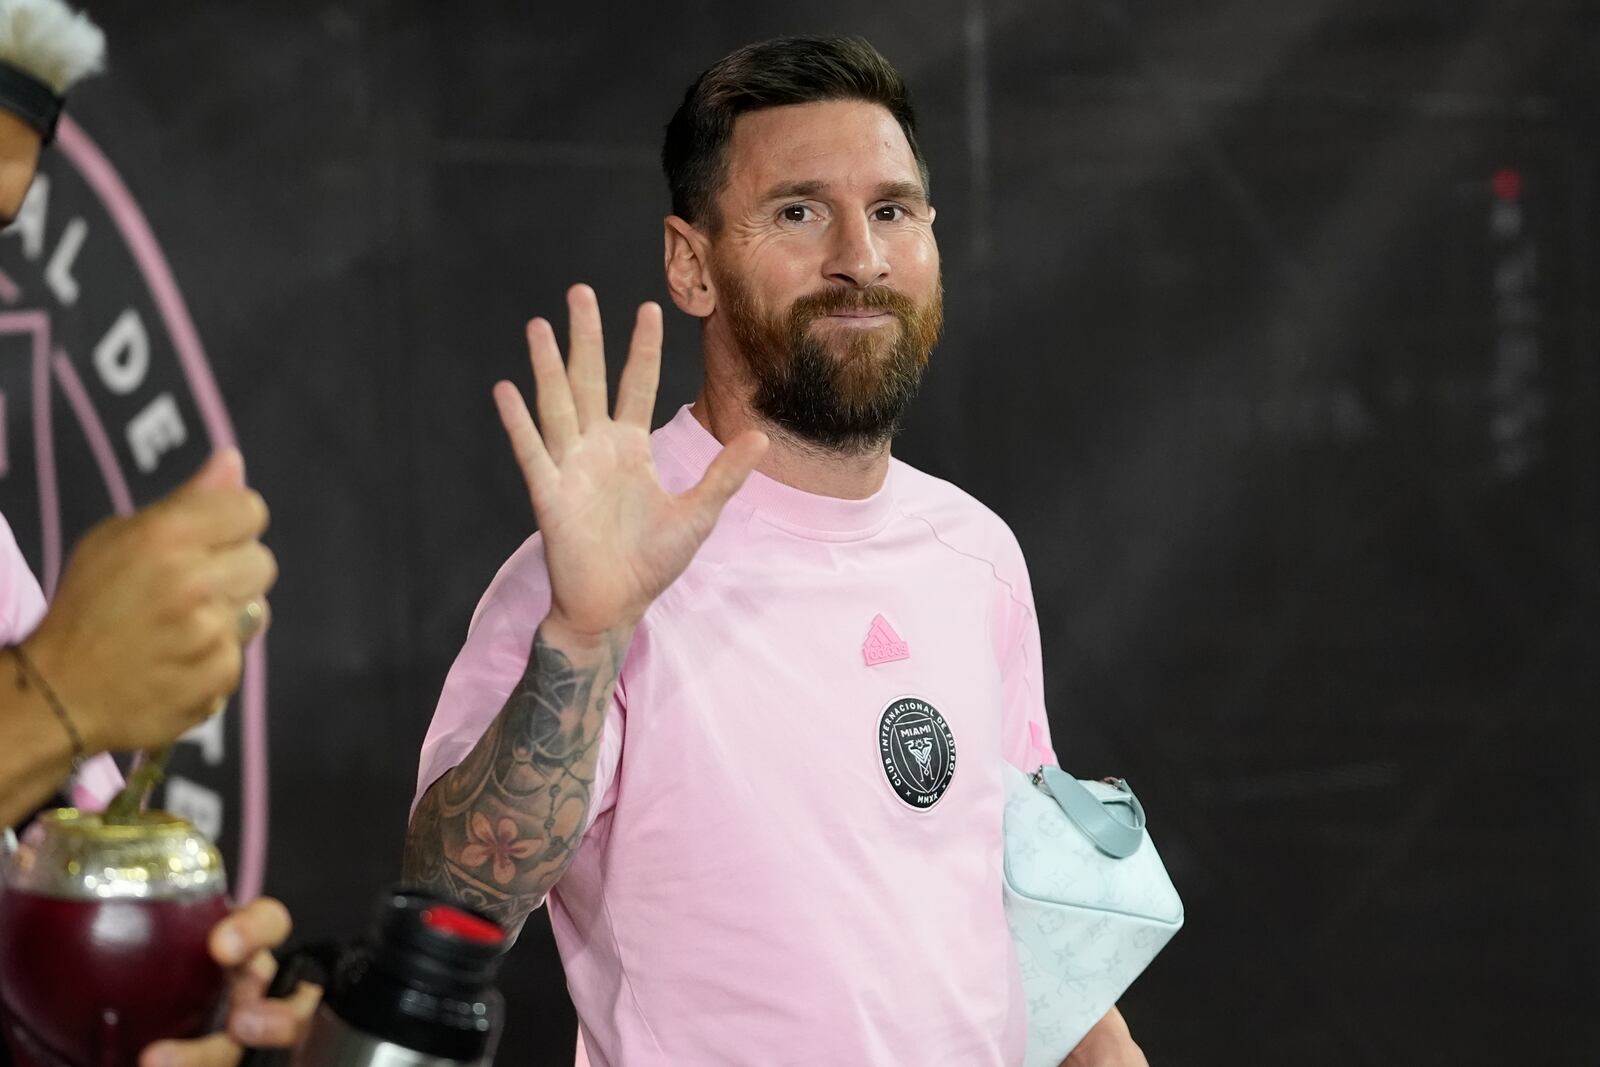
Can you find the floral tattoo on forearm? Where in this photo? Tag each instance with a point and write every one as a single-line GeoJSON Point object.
{"type": "Point", "coordinates": [499, 830]}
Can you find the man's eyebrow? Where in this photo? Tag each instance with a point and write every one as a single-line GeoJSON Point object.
{"type": "Point", "coordinates": [785, 190]}
{"type": "Point", "coordinates": [901, 190]}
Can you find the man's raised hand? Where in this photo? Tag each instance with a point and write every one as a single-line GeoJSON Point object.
{"type": "Point", "coordinates": [614, 539]}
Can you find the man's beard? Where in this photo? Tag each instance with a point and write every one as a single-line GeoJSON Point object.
{"type": "Point", "coordinates": [844, 393]}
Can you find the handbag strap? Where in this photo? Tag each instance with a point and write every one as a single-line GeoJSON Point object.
{"type": "Point", "coordinates": [1088, 813]}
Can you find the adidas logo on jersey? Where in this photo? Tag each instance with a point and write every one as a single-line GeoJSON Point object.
{"type": "Point", "coordinates": [883, 645]}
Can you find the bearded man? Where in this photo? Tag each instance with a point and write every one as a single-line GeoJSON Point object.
{"type": "Point", "coordinates": [739, 708]}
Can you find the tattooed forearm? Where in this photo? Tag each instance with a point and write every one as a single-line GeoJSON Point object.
{"type": "Point", "coordinates": [499, 830]}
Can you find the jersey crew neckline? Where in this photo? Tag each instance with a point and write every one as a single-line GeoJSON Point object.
{"type": "Point", "coordinates": [821, 518]}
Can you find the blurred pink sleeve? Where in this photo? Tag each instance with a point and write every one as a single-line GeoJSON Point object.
{"type": "Point", "coordinates": [1025, 724]}
{"type": "Point", "coordinates": [96, 783]}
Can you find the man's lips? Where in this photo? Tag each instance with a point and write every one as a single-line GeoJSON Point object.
{"type": "Point", "coordinates": [861, 317]}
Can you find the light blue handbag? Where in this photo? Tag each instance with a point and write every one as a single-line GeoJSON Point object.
{"type": "Point", "coordinates": [1087, 898]}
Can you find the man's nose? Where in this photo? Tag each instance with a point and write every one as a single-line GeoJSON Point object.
{"type": "Point", "coordinates": [856, 256]}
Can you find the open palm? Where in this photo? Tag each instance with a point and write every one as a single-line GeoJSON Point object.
{"type": "Point", "coordinates": [614, 539]}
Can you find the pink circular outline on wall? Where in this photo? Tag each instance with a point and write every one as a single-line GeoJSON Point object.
{"type": "Point", "coordinates": [102, 177]}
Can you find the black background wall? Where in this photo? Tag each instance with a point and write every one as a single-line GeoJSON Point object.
{"type": "Point", "coordinates": [1272, 335]}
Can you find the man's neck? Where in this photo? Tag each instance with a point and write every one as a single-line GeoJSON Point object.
{"type": "Point", "coordinates": [788, 459]}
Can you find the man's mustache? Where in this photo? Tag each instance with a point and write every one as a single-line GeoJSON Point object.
{"type": "Point", "coordinates": [834, 301]}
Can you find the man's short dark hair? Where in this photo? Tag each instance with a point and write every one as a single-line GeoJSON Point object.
{"type": "Point", "coordinates": [775, 73]}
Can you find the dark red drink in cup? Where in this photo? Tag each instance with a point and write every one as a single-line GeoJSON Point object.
{"type": "Point", "coordinates": [103, 934]}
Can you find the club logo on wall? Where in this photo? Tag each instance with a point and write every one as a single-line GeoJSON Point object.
{"type": "Point", "coordinates": [918, 751]}
{"type": "Point", "coordinates": [106, 403]}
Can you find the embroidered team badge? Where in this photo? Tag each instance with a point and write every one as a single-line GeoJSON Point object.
{"type": "Point", "coordinates": [918, 751]}
{"type": "Point", "coordinates": [883, 645]}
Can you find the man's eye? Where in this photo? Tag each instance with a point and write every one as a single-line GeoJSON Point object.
{"type": "Point", "coordinates": [889, 213]}
{"type": "Point", "coordinates": [796, 213]}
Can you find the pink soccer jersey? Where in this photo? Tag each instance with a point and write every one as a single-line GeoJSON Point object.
{"type": "Point", "coordinates": [21, 607]}
{"type": "Point", "coordinates": [794, 854]}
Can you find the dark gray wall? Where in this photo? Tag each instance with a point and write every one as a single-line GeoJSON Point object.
{"type": "Point", "coordinates": [1302, 450]}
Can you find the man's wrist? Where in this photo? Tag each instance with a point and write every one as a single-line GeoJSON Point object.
{"type": "Point", "coordinates": [559, 632]}
{"type": "Point", "coordinates": [67, 679]}
{"type": "Point", "coordinates": [33, 684]}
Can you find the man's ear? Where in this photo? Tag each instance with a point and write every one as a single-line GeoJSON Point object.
{"type": "Point", "coordinates": [686, 251]}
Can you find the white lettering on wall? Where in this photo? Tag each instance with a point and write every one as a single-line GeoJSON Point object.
{"type": "Point", "coordinates": [123, 355]}
{"type": "Point", "coordinates": [208, 735]}
{"type": "Point", "coordinates": [193, 801]}
{"type": "Point", "coordinates": [29, 224]}
{"type": "Point", "coordinates": [158, 428]}
{"type": "Point", "coordinates": [58, 274]}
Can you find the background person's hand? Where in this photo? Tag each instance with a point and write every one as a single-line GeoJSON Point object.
{"type": "Point", "coordinates": [242, 943]}
{"type": "Point", "coordinates": [614, 539]}
{"type": "Point", "coordinates": [144, 636]}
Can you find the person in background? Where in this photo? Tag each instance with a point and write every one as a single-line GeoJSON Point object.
{"type": "Point", "coordinates": [145, 636]}
{"type": "Point", "coordinates": [143, 641]}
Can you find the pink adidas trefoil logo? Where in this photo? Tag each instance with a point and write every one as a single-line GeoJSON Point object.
{"type": "Point", "coordinates": [883, 645]}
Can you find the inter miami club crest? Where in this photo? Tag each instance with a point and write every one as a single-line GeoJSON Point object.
{"type": "Point", "coordinates": [918, 750]}
{"type": "Point", "coordinates": [106, 403]}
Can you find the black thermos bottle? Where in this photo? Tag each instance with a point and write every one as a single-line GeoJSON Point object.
{"type": "Point", "coordinates": [416, 992]}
